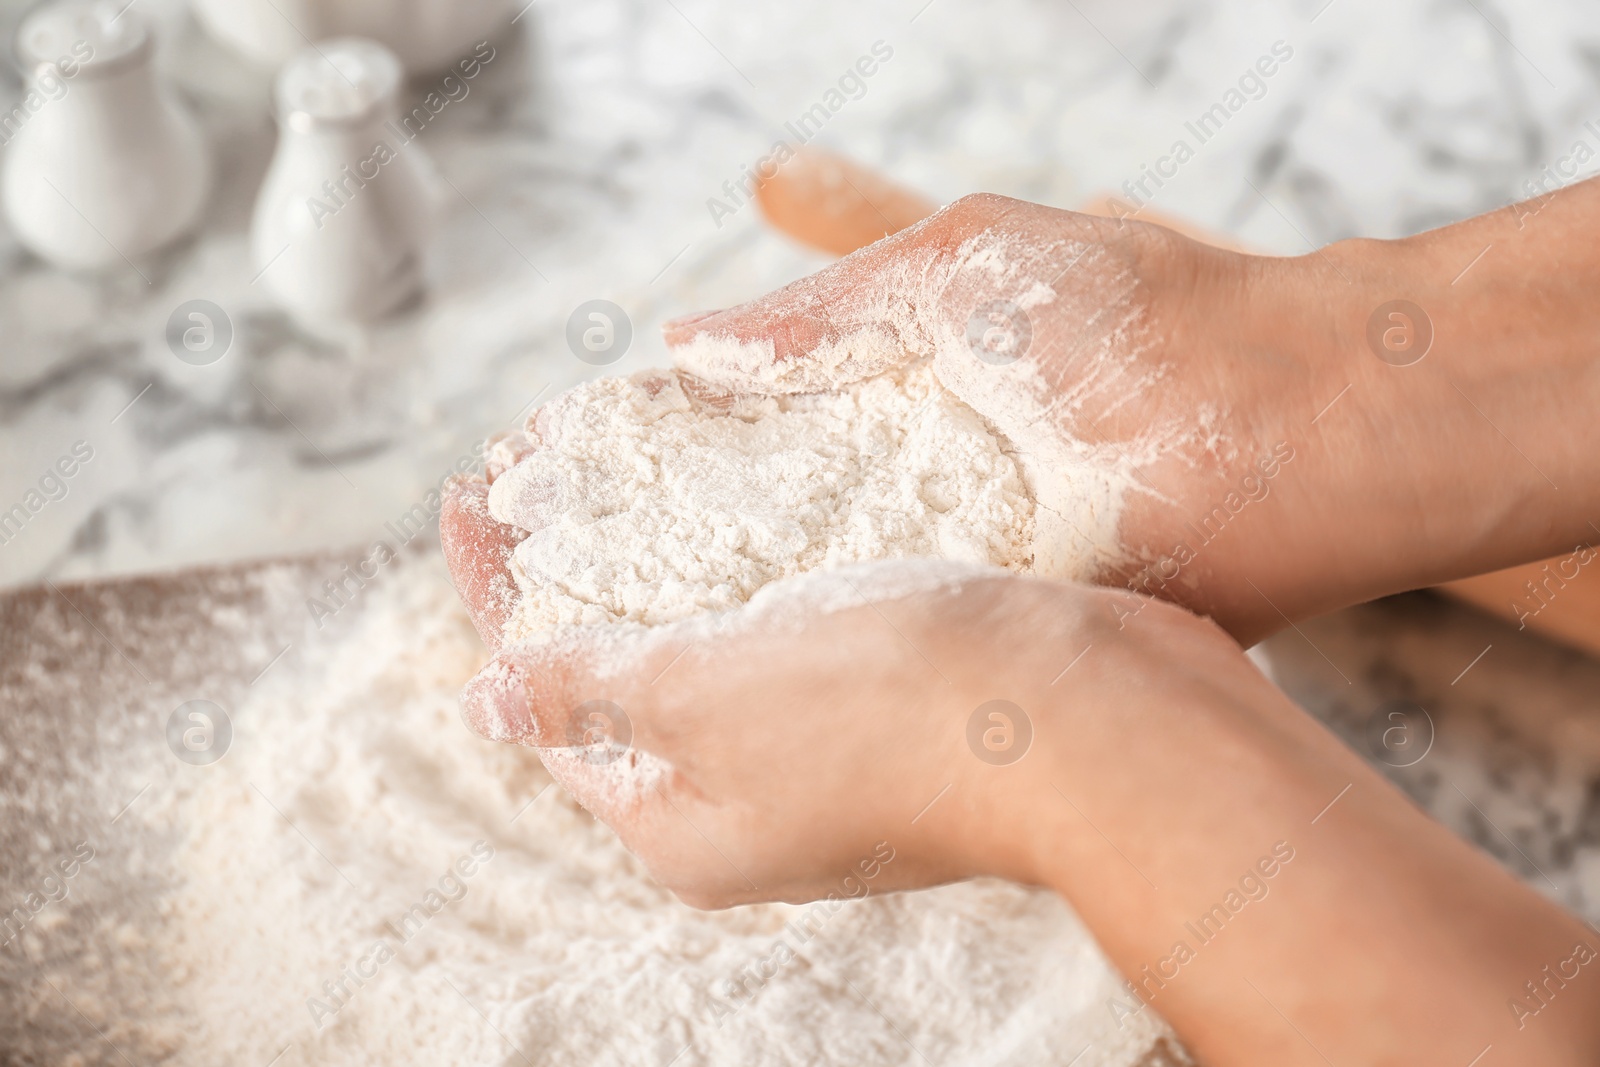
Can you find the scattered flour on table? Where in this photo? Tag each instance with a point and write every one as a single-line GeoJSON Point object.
{"type": "Point", "coordinates": [363, 881]}
{"type": "Point", "coordinates": [648, 504]}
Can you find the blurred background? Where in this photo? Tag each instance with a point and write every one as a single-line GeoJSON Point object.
{"type": "Point", "coordinates": [579, 165]}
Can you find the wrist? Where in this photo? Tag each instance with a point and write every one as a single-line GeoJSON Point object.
{"type": "Point", "coordinates": [1456, 367]}
{"type": "Point", "coordinates": [1499, 463]}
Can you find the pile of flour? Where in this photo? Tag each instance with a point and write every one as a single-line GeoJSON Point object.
{"type": "Point", "coordinates": [363, 881]}
{"type": "Point", "coordinates": [649, 504]}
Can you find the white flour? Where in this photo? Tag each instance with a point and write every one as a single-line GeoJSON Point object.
{"type": "Point", "coordinates": [1081, 346]}
{"type": "Point", "coordinates": [649, 501]}
{"type": "Point", "coordinates": [649, 505]}
{"type": "Point", "coordinates": [350, 793]}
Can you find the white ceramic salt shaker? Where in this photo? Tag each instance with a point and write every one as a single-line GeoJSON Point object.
{"type": "Point", "coordinates": [105, 166]}
{"type": "Point", "coordinates": [347, 205]}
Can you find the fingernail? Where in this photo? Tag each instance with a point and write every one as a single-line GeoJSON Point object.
{"type": "Point", "coordinates": [495, 704]}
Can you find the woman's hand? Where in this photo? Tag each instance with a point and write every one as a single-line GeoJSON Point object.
{"type": "Point", "coordinates": [839, 736]}
{"type": "Point", "coordinates": [803, 735]}
{"type": "Point", "coordinates": [1137, 373]}
{"type": "Point", "coordinates": [806, 743]}
{"type": "Point", "coordinates": [837, 718]}
{"type": "Point", "coordinates": [1242, 446]}
{"type": "Point", "coordinates": [767, 753]}
{"type": "Point", "coordinates": [1213, 428]}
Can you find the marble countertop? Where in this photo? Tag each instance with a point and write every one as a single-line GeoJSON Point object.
{"type": "Point", "coordinates": [581, 166]}
{"type": "Point", "coordinates": [1494, 732]}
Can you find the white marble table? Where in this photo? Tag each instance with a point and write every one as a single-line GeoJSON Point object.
{"type": "Point", "coordinates": [581, 166]}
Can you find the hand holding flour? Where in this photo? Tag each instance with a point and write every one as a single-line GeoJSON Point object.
{"type": "Point", "coordinates": [1132, 371]}
{"type": "Point", "coordinates": [1223, 430]}
{"type": "Point", "coordinates": [810, 736]}
{"type": "Point", "coordinates": [1207, 427]}
{"type": "Point", "coordinates": [817, 748]}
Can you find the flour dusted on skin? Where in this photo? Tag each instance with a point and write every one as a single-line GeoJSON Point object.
{"type": "Point", "coordinates": [883, 436]}
{"type": "Point", "coordinates": [919, 307]}
{"type": "Point", "coordinates": [648, 504]}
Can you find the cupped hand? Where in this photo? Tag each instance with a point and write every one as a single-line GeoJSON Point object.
{"type": "Point", "coordinates": [1159, 393]}
{"type": "Point", "coordinates": [902, 724]}
{"type": "Point", "coordinates": [888, 726]}
{"type": "Point", "coordinates": [1094, 312]}
{"type": "Point", "coordinates": [839, 735]}
{"type": "Point", "coordinates": [831, 728]}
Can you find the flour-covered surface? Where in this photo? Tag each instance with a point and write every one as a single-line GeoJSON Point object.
{"type": "Point", "coordinates": [207, 905]}
{"type": "Point", "coordinates": [360, 880]}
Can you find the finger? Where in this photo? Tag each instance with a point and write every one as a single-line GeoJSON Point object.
{"type": "Point", "coordinates": [540, 694]}
{"type": "Point", "coordinates": [592, 731]}
{"type": "Point", "coordinates": [511, 698]}
{"type": "Point", "coordinates": [706, 396]}
{"type": "Point", "coordinates": [524, 488]}
{"type": "Point", "coordinates": [831, 203]}
{"type": "Point", "coordinates": [545, 697]}
{"type": "Point", "coordinates": [678, 326]}
{"type": "Point", "coordinates": [477, 551]}
{"type": "Point", "coordinates": [871, 311]}
{"type": "Point", "coordinates": [506, 450]}
{"type": "Point", "coordinates": [530, 496]}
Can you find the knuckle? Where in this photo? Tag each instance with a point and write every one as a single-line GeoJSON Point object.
{"type": "Point", "coordinates": [983, 208]}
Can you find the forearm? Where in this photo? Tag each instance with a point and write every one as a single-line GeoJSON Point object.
{"type": "Point", "coordinates": [1295, 908]}
{"type": "Point", "coordinates": [1482, 453]}
{"type": "Point", "coordinates": [1508, 394]}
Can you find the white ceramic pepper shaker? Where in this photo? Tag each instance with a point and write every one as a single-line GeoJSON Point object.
{"type": "Point", "coordinates": [104, 165]}
{"type": "Point", "coordinates": [348, 202]}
